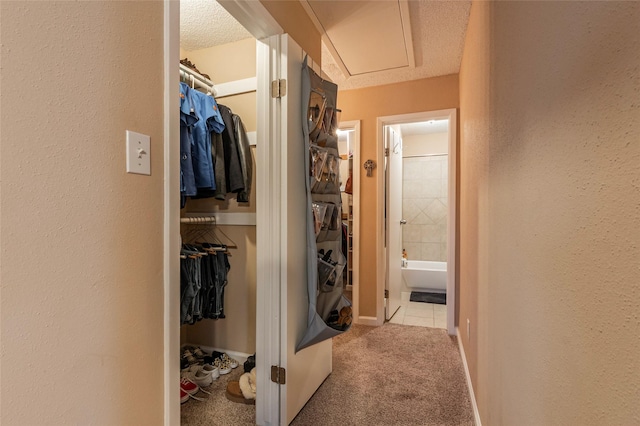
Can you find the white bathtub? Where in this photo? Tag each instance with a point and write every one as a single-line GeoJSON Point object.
{"type": "Point", "coordinates": [426, 275]}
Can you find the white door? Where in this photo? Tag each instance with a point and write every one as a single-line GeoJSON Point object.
{"type": "Point", "coordinates": [394, 217]}
{"type": "Point", "coordinates": [282, 271]}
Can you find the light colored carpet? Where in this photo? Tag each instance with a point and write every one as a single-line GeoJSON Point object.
{"type": "Point", "coordinates": [389, 375]}
{"type": "Point", "coordinates": [392, 375]}
{"type": "Point", "coordinates": [217, 409]}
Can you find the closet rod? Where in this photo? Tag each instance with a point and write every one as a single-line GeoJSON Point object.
{"type": "Point", "coordinates": [201, 80]}
{"type": "Point", "coordinates": [198, 219]}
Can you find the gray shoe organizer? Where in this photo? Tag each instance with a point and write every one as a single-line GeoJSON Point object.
{"type": "Point", "coordinates": [325, 260]}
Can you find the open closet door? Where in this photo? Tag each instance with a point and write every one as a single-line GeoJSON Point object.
{"type": "Point", "coordinates": [282, 260]}
{"type": "Point", "coordinates": [307, 369]}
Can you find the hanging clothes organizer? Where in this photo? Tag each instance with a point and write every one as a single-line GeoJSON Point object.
{"type": "Point", "coordinates": [329, 311]}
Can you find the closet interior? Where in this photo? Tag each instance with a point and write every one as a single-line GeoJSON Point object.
{"type": "Point", "coordinates": [345, 147]}
{"type": "Point", "coordinates": [218, 230]}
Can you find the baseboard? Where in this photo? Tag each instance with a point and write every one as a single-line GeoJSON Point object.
{"type": "Point", "coordinates": [367, 321]}
{"type": "Point", "coordinates": [241, 357]}
{"type": "Point", "coordinates": [472, 395]}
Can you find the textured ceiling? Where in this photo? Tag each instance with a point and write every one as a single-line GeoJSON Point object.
{"type": "Point", "coordinates": [437, 29]}
{"type": "Point", "coordinates": [204, 23]}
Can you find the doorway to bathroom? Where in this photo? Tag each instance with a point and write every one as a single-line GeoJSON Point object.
{"type": "Point", "coordinates": [419, 217]}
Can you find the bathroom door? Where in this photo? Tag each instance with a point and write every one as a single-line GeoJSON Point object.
{"type": "Point", "coordinates": [393, 142]}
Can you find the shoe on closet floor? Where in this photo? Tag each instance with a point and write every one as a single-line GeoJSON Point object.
{"type": "Point", "coordinates": [232, 362]}
{"type": "Point", "coordinates": [243, 390]}
{"type": "Point", "coordinates": [223, 366]}
{"type": "Point", "coordinates": [199, 353]}
{"type": "Point", "coordinates": [211, 370]}
{"type": "Point", "coordinates": [188, 386]}
{"type": "Point", "coordinates": [198, 375]}
{"type": "Point", "coordinates": [190, 389]}
{"type": "Point", "coordinates": [250, 363]}
{"type": "Point", "coordinates": [234, 394]}
{"type": "Point", "coordinates": [189, 357]}
{"type": "Point", "coordinates": [184, 397]}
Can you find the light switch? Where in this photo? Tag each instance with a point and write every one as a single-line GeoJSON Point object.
{"type": "Point", "coordinates": [138, 153]}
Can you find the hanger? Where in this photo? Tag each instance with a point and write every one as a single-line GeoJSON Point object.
{"type": "Point", "coordinates": [205, 236]}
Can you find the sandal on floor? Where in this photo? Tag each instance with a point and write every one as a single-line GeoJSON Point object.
{"type": "Point", "coordinates": [234, 394]}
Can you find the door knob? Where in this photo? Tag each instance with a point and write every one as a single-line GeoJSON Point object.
{"type": "Point", "coordinates": [403, 222]}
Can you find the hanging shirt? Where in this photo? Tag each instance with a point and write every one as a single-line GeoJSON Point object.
{"type": "Point", "coordinates": [188, 119]}
{"type": "Point", "coordinates": [209, 117]}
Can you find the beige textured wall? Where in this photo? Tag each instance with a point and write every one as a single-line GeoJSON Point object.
{"type": "Point", "coordinates": [557, 122]}
{"type": "Point", "coordinates": [294, 20]}
{"type": "Point", "coordinates": [81, 249]}
{"type": "Point", "coordinates": [367, 104]}
{"type": "Point", "coordinates": [475, 114]}
{"type": "Point", "coordinates": [237, 332]}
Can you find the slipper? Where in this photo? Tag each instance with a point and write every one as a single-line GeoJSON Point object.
{"type": "Point", "coordinates": [234, 394]}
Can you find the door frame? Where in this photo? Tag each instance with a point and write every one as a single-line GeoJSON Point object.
{"type": "Point", "coordinates": [452, 221]}
{"type": "Point", "coordinates": [259, 22]}
{"type": "Point", "coordinates": [355, 257]}
{"type": "Point", "coordinates": [386, 168]}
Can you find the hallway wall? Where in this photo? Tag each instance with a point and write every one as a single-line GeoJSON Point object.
{"type": "Point", "coordinates": [81, 249]}
{"type": "Point", "coordinates": [367, 104]}
{"type": "Point", "coordinates": [550, 124]}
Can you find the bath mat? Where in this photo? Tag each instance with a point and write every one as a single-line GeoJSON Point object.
{"type": "Point", "coordinates": [426, 297]}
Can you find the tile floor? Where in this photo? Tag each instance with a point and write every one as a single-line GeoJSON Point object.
{"type": "Point", "coordinates": [420, 314]}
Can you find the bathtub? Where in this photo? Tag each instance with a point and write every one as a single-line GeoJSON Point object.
{"type": "Point", "coordinates": [426, 275]}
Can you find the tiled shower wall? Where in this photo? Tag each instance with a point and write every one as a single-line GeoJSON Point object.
{"type": "Point", "coordinates": [424, 207]}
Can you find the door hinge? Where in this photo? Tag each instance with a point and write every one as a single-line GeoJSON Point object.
{"type": "Point", "coordinates": [386, 152]}
{"type": "Point", "coordinates": [386, 294]}
{"type": "Point", "coordinates": [278, 88]}
{"type": "Point", "coordinates": [278, 374]}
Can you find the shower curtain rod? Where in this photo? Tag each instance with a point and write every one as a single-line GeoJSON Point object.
{"type": "Point", "coordinates": [198, 79]}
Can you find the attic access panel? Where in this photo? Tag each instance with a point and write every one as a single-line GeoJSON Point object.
{"type": "Point", "coordinates": [368, 35]}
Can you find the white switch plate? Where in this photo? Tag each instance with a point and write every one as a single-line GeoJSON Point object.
{"type": "Point", "coordinates": [138, 153]}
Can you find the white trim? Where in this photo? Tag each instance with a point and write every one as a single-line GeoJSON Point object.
{"type": "Point", "coordinates": [370, 321]}
{"type": "Point", "coordinates": [406, 29]}
{"type": "Point", "coordinates": [472, 395]}
{"type": "Point", "coordinates": [171, 214]}
{"type": "Point", "coordinates": [450, 114]}
{"type": "Point", "coordinates": [241, 357]}
{"type": "Point", "coordinates": [355, 257]}
{"type": "Point", "coordinates": [252, 15]}
{"type": "Point", "coordinates": [268, 398]}
{"type": "Point", "coordinates": [236, 87]}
